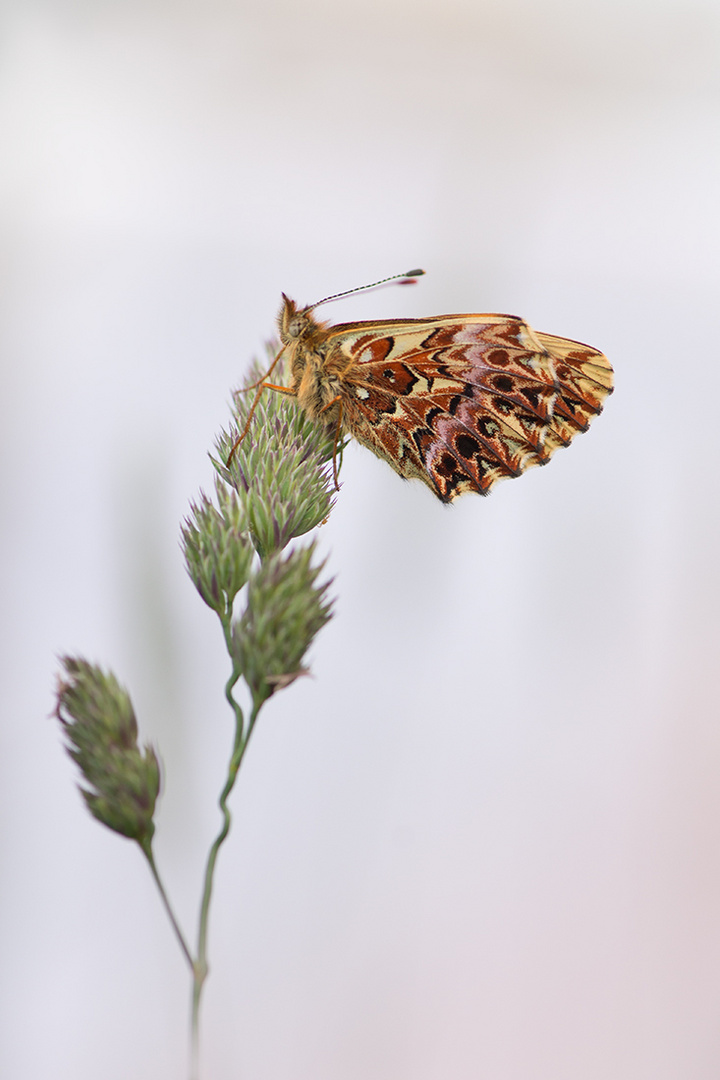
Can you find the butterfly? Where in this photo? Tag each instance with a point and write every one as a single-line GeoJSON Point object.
{"type": "Point", "coordinates": [457, 401]}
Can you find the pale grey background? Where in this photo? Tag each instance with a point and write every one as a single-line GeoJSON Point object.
{"type": "Point", "coordinates": [483, 842]}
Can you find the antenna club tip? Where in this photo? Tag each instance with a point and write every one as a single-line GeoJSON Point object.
{"type": "Point", "coordinates": [409, 278]}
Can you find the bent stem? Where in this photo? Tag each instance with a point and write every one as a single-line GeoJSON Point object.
{"type": "Point", "coordinates": [200, 965]}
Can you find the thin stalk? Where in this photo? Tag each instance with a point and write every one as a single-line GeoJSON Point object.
{"type": "Point", "coordinates": [147, 852]}
{"type": "Point", "coordinates": [242, 737]}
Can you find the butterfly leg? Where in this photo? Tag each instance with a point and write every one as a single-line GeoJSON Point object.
{"type": "Point", "coordinates": [338, 431]}
{"type": "Point", "coordinates": [261, 380]}
{"type": "Point", "coordinates": [260, 387]}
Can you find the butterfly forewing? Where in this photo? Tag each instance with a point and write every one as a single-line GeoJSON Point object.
{"type": "Point", "coordinates": [458, 401]}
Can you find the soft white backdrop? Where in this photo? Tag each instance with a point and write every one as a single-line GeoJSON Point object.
{"type": "Point", "coordinates": [483, 841]}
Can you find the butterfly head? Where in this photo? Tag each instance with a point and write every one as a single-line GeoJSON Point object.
{"type": "Point", "coordinates": [296, 323]}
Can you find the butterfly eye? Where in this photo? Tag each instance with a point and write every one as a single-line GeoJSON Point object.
{"type": "Point", "coordinates": [295, 328]}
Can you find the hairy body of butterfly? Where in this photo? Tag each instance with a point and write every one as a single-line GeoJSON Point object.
{"type": "Point", "coordinates": [458, 401]}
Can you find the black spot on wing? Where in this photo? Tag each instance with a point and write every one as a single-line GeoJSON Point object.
{"type": "Point", "coordinates": [531, 395]}
{"type": "Point", "coordinates": [466, 446]}
{"type": "Point", "coordinates": [503, 383]}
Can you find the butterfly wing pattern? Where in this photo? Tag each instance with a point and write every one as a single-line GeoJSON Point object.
{"type": "Point", "coordinates": [457, 401]}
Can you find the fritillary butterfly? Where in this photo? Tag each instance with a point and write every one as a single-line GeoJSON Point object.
{"type": "Point", "coordinates": [457, 401]}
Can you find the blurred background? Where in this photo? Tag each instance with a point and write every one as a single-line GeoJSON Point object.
{"type": "Point", "coordinates": [483, 840]}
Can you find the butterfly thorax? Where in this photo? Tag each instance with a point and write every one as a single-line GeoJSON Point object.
{"type": "Point", "coordinates": [316, 371]}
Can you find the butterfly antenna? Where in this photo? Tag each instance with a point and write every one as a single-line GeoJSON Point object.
{"type": "Point", "coordinates": [402, 279]}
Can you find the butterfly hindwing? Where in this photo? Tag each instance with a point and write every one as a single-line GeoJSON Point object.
{"type": "Point", "coordinates": [463, 401]}
{"type": "Point", "coordinates": [457, 401]}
